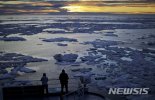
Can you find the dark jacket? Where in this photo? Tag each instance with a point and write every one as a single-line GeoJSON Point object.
{"type": "Point", "coordinates": [63, 78]}
{"type": "Point", "coordinates": [44, 80]}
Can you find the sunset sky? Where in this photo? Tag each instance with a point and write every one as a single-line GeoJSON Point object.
{"type": "Point", "coordinates": [94, 6]}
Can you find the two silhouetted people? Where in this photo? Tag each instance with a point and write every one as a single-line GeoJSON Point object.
{"type": "Point", "coordinates": [44, 81]}
{"type": "Point", "coordinates": [64, 80]}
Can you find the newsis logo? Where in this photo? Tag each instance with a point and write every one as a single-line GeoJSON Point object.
{"type": "Point", "coordinates": [127, 91]}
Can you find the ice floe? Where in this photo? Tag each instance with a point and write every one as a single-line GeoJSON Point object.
{"type": "Point", "coordinates": [83, 70]}
{"type": "Point", "coordinates": [62, 44]}
{"type": "Point", "coordinates": [66, 57]}
{"type": "Point", "coordinates": [103, 43]}
{"type": "Point", "coordinates": [126, 59]}
{"type": "Point", "coordinates": [26, 70]}
{"type": "Point", "coordinates": [12, 39]}
{"type": "Point", "coordinates": [110, 34]}
{"type": "Point", "coordinates": [60, 39]}
{"type": "Point", "coordinates": [12, 63]}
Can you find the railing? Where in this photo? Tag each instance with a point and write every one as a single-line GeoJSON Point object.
{"type": "Point", "coordinates": [53, 84]}
{"type": "Point", "coordinates": [76, 89]}
{"type": "Point", "coordinates": [77, 94]}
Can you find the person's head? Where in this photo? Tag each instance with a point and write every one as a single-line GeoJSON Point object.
{"type": "Point", "coordinates": [44, 74]}
{"type": "Point", "coordinates": [63, 71]}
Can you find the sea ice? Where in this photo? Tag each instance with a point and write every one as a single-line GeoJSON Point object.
{"type": "Point", "coordinates": [81, 70]}
{"type": "Point", "coordinates": [26, 70]}
{"type": "Point", "coordinates": [12, 39]}
{"type": "Point", "coordinates": [7, 76]}
{"type": "Point", "coordinates": [66, 57]}
{"type": "Point", "coordinates": [61, 39]}
{"type": "Point", "coordinates": [110, 34]}
{"type": "Point", "coordinates": [12, 63]}
{"type": "Point", "coordinates": [61, 44]}
{"type": "Point", "coordinates": [126, 59]}
{"type": "Point", "coordinates": [149, 50]}
{"type": "Point", "coordinates": [103, 43]}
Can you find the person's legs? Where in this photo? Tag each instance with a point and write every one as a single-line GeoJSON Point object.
{"type": "Point", "coordinates": [46, 89]}
{"type": "Point", "coordinates": [66, 86]}
{"type": "Point", "coordinates": [62, 87]}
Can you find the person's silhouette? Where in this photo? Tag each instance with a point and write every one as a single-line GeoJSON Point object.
{"type": "Point", "coordinates": [44, 80]}
{"type": "Point", "coordinates": [64, 80]}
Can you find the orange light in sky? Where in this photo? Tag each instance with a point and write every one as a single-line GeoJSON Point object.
{"type": "Point", "coordinates": [111, 9]}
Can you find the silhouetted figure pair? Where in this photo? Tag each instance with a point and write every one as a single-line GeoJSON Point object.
{"type": "Point", "coordinates": [64, 80]}
{"type": "Point", "coordinates": [44, 81]}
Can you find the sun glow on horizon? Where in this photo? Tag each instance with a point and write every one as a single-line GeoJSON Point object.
{"type": "Point", "coordinates": [110, 9]}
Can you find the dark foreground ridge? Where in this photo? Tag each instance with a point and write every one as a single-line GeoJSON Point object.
{"type": "Point", "coordinates": [36, 92]}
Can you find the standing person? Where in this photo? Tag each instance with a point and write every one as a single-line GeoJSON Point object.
{"type": "Point", "coordinates": [64, 80]}
{"type": "Point", "coordinates": [44, 81]}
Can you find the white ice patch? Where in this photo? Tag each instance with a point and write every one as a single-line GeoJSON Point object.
{"type": "Point", "coordinates": [126, 59]}
{"type": "Point", "coordinates": [9, 69]}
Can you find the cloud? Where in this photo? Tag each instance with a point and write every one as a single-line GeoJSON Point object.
{"type": "Point", "coordinates": [20, 7]}
{"type": "Point", "coordinates": [49, 6]}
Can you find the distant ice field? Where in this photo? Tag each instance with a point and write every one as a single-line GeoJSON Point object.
{"type": "Point", "coordinates": [127, 28]}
